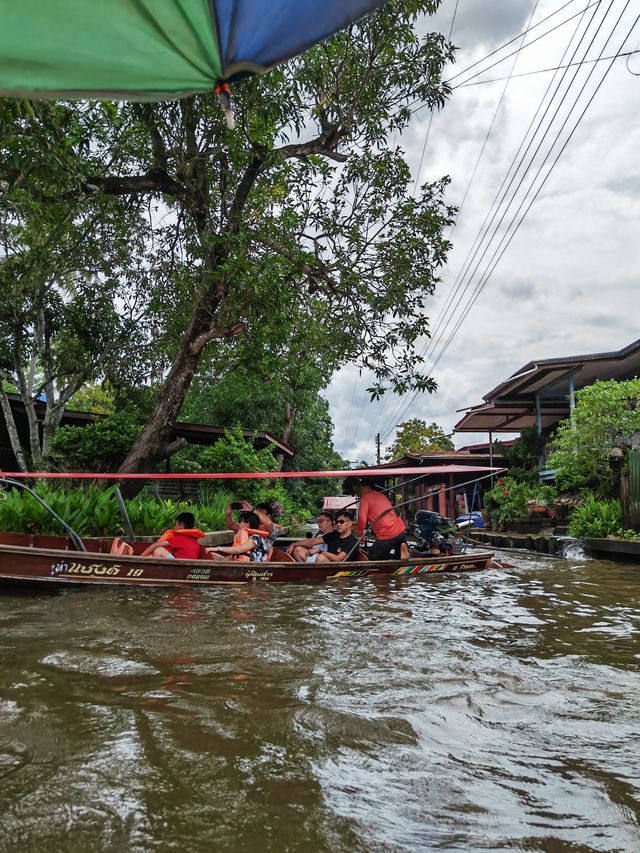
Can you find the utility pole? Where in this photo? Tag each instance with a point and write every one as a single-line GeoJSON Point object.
{"type": "Point", "coordinates": [378, 448]}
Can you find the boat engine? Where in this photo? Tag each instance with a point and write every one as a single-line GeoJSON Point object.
{"type": "Point", "coordinates": [435, 534]}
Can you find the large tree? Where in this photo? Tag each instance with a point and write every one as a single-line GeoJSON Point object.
{"type": "Point", "coordinates": [309, 191]}
{"type": "Point", "coordinates": [416, 436]}
{"type": "Point", "coordinates": [67, 314]}
{"type": "Point", "coordinates": [607, 414]}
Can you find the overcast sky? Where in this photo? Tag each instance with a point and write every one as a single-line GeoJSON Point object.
{"type": "Point", "coordinates": [567, 283]}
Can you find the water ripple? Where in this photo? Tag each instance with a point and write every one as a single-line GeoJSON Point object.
{"type": "Point", "coordinates": [495, 711]}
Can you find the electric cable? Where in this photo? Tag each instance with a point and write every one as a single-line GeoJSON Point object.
{"type": "Point", "coordinates": [502, 248]}
{"type": "Point", "coordinates": [547, 70]}
{"type": "Point", "coordinates": [435, 341]}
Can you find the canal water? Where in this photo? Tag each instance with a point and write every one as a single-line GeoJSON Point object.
{"type": "Point", "coordinates": [494, 711]}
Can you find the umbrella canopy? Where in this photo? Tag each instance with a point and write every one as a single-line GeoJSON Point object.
{"type": "Point", "coordinates": [155, 49]}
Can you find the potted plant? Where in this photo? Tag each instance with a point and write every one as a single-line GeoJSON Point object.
{"type": "Point", "coordinates": [542, 502]}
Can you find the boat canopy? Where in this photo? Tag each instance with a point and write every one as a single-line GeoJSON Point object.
{"type": "Point", "coordinates": [155, 49]}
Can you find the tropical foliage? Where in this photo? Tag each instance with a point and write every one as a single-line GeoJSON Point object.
{"type": "Point", "coordinates": [510, 499]}
{"type": "Point", "coordinates": [301, 230]}
{"type": "Point", "coordinates": [92, 511]}
{"type": "Point", "coordinates": [416, 436]}
{"type": "Point", "coordinates": [605, 414]}
{"type": "Point", "coordinates": [523, 456]}
{"type": "Point", "coordinates": [99, 446]}
{"type": "Point", "coordinates": [595, 519]}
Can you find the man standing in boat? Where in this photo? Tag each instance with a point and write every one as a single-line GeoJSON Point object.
{"type": "Point", "coordinates": [377, 515]}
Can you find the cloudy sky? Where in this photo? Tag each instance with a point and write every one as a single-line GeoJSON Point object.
{"type": "Point", "coordinates": [567, 283]}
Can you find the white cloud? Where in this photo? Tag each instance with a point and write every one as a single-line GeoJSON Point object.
{"type": "Point", "coordinates": [568, 283]}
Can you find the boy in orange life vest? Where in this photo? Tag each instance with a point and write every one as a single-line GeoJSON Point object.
{"type": "Point", "coordinates": [180, 543]}
{"type": "Point", "coordinates": [252, 542]}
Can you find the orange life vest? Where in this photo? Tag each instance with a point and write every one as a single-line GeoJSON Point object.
{"type": "Point", "coordinates": [241, 538]}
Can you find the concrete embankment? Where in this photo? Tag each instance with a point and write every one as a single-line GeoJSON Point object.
{"type": "Point", "coordinates": [546, 543]}
{"type": "Point", "coordinates": [542, 543]}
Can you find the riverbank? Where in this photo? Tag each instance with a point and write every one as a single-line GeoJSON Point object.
{"type": "Point", "coordinates": [555, 546]}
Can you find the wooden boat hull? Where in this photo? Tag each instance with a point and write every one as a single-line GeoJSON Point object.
{"type": "Point", "coordinates": [56, 567]}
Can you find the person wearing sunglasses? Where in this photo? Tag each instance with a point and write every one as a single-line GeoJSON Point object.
{"type": "Point", "coordinates": [344, 544]}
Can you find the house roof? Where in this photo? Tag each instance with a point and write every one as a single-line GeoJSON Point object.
{"type": "Point", "coordinates": [512, 405]}
{"type": "Point", "coordinates": [462, 458]}
{"type": "Point", "coordinates": [201, 434]}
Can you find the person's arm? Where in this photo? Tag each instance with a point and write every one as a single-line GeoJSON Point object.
{"type": "Point", "coordinates": [265, 522]}
{"type": "Point", "coordinates": [247, 546]}
{"type": "Point", "coordinates": [332, 558]}
{"type": "Point", "coordinates": [160, 543]}
{"type": "Point", "coordinates": [362, 515]}
{"type": "Point", "coordinates": [306, 543]}
{"type": "Point", "coordinates": [231, 524]}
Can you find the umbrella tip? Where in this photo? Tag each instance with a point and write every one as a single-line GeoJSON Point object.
{"type": "Point", "coordinates": [223, 91]}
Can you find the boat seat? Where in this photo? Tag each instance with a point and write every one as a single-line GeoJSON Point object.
{"type": "Point", "coordinates": [277, 555]}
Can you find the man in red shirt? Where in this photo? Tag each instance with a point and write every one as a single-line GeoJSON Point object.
{"type": "Point", "coordinates": [377, 514]}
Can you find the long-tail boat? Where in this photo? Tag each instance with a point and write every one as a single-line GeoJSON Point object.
{"type": "Point", "coordinates": [60, 561]}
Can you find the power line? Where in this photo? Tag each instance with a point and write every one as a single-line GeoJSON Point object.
{"type": "Point", "coordinates": [388, 423]}
{"type": "Point", "coordinates": [485, 278]}
{"type": "Point", "coordinates": [439, 329]}
{"type": "Point", "coordinates": [485, 230]}
{"type": "Point", "coordinates": [426, 138]}
{"type": "Point", "coordinates": [524, 47]}
{"type": "Point", "coordinates": [506, 44]}
{"type": "Point", "coordinates": [517, 162]}
{"type": "Point", "coordinates": [504, 200]}
{"type": "Point", "coordinates": [546, 70]}
{"type": "Point", "coordinates": [508, 237]}
{"type": "Point", "coordinates": [493, 120]}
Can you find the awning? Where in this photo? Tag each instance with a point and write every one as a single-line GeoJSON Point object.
{"type": "Point", "coordinates": [544, 386]}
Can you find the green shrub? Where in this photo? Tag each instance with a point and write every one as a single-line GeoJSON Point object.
{"type": "Point", "coordinates": [98, 446]}
{"type": "Point", "coordinates": [510, 498]}
{"type": "Point", "coordinates": [93, 511]}
{"type": "Point", "coordinates": [596, 519]}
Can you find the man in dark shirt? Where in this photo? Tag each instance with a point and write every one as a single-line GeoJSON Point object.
{"type": "Point", "coordinates": [341, 543]}
{"type": "Point", "coordinates": [307, 550]}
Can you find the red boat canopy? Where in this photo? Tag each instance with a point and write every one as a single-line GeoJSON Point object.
{"type": "Point", "coordinates": [261, 475]}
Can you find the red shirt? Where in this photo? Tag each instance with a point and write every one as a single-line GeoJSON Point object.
{"type": "Point", "coordinates": [183, 544]}
{"type": "Point", "coordinates": [388, 526]}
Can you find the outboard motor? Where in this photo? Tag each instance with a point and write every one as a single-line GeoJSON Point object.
{"type": "Point", "coordinates": [435, 533]}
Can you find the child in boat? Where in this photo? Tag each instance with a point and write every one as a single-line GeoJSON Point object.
{"type": "Point", "coordinates": [266, 514]}
{"type": "Point", "coordinates": [251, 541]}
{"type": "Point", "coordinates": [180, 543]}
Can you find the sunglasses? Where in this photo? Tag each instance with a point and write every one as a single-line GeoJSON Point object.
{"type": "Point", "coordinates": [343, 521]}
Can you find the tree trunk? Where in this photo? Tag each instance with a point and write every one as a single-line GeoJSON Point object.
{"type": "Point", "coordinates": [289, 415]}
{"type": "Point", "coordinates": [153, 444]}
{"type": "Point", "coordinates": [13, 432]}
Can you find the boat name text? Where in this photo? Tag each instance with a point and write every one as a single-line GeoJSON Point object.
{"type": "Point", "coordinates": [95, 569]}
{"type": "Point", "coordinates": [255, 575]}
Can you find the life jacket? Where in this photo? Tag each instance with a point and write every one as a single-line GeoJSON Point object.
{"type": "Point", "coordinates": [118, 546]}
{"type": "Point", "coordinates": [241, 537]}
{"type": "Point", "coordinates": [183, 544]}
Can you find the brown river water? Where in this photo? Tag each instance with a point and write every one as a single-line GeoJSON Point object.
{"type": "Point", "coordinates": [492, 711]}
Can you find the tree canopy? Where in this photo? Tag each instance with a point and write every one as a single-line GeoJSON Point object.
{"type": "Point", "coordinates": [416, 436]}
{"type": "Point", "coordinates": [606, 413]}
{"type": "Point", "coordinates": [300, 229]}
